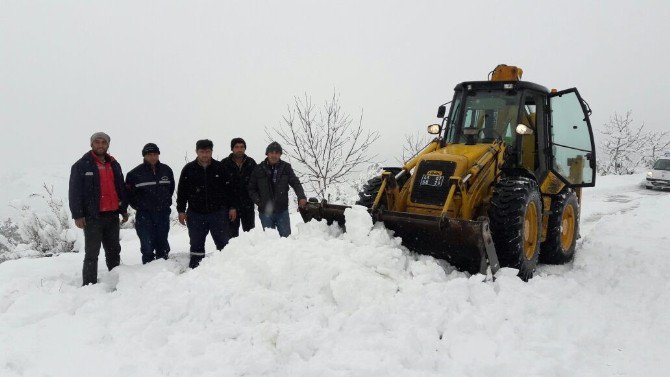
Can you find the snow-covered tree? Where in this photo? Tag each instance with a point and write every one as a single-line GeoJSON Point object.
{"type": "Point", "coordinates": [47, 233]}
{"type": "Point", "coordinates": [658, 145]}
{"type": "Point", "coordinates": [625, 147]}
{"type": "Point", "coordinates": [9, 239]}
{"type": "Point", "coordinates": [325, 143]}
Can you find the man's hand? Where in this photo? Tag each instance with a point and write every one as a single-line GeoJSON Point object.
{"type": "Point", "coordinates": [232, 214]}
{"type": "Point", "coordinates": [302, 203]}
{"type": "Point", "coordinates": [182, 218]}
{"type": "Point", "coordinates": [80, 222]}
{"type": "Point", "coordinates": [124, 218]}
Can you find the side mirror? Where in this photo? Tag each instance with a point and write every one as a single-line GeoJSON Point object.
{"type": "Point", "coordinates": [434, 129]}
{"type": "Point", "coordinates": [522, 129]}
{"type": "Point", "coordinates": [441, 111]}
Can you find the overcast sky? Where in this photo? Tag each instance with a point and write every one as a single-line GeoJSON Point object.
{"type": "Point", "coordinates": [171, 72]}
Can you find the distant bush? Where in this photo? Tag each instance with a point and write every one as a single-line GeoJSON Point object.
{"type": "Point", "coordinates": [38, 234]}
{"type": "Point", "coordinates": [9, 239]}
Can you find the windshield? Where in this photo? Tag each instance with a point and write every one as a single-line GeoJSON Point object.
{"type": "Point", "coordinates": [663, 164]}
{"type": "Point", "coordinates": [493, 113]}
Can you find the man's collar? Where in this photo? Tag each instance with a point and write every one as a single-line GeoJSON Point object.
{"type": "Point", "coordinates": [149, 166]}
{"type": "Point", "coordinates": [201, 164]}
{"type": "Point", "coordinates": [108, 158]}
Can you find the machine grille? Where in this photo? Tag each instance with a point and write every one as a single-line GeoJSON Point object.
{"type": "Point", "coordinates": [431, 185]}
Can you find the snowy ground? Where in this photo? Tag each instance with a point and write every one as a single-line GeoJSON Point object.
{"type": "Point", "coordinates": [326, 304]}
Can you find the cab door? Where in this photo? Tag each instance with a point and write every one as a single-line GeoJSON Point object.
{"type": "Point", "coordinates": [571, 142]}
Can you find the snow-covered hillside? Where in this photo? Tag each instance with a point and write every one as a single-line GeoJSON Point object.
{"type": "Point", "coordinates": [323, 303]}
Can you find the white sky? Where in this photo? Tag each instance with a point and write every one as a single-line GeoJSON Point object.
{"type": "Point", "coordinates": [171, 72]}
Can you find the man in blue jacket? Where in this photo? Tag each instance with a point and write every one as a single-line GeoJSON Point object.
{"type": "Point", "coordinates": [97, 197]}
{"type": "Point", "coordinates": [150, 187]}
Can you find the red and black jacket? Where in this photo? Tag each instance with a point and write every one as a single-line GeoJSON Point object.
{"type": "Point", "coordinates": [84, 191]}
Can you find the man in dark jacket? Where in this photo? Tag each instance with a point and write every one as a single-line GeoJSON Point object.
{"type": "Point", "coordinates": [238, 167]}
{"type": "Point", "coordinates": [210, 199]}
{"type": "Point", "coordinates": [268, 188]}
{"type": "Point", "coordinates": [150, 187]}
{"type": "Point", "coordinates": [97, 197]}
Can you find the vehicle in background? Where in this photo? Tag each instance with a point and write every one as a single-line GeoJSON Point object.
{"type": "Point", "coordinates": [659, 176]}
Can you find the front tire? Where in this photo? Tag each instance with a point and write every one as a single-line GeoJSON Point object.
{"type": "Point", "coordinates": [562, 230]}
{"type": "Point", "coordinates": [515, 217]}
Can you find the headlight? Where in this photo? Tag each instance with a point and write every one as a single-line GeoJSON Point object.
{"type": "Point", "coordinates": [434, 129]}
{"type": "Point", "coordinates": [522, 129]}
{"type": "Point", "coordinates": [650, 174]}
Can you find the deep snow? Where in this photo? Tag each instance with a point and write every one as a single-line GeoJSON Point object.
{"type": "Point", "coordinates": [323, 303]}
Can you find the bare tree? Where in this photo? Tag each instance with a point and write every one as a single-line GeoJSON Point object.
{"type": "Point", "coordinates": [659, 144]}
{"type": "Point", "coordinates": [325, 142]}
{"type": "Point", "coordinates": [414, 143]}
{"type": "Point", "coordinates": [626, 147]}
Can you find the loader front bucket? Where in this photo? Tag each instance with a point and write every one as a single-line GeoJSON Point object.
{"type": "Point", "coordinates": [465, 244]}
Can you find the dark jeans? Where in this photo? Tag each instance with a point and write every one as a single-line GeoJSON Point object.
{"type": "Point", "coordinates": [247, 217]}
{"type": "Point", "coordinates": [199, 224]}
{"type": "Point", "coordinates": [103, 229]}
{"type": "Point", "coordinates": [152, 229]}
{"type": "Point", "coordinates": [279, 221]}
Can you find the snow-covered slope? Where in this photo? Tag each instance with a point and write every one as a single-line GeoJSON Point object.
{"type": "Point", "coordinates": [323, 303]}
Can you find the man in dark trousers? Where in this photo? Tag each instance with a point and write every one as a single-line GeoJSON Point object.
{"type": "Point", "coordinates": [97, 197]}
{"type": "Point", "coordinates": [210, 200]}
{"type": "Point", "coordinates": [150, 187]}
{"type": "Point", "coordinates": [238, 168]}
{"type": "Point", "coordinates": [268, 188]}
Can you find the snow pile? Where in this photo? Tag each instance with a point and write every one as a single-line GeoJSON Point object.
{"type": "Point", "coordinates": [331, 304]}
{"type": "Point", "coordinates": [358, 224]}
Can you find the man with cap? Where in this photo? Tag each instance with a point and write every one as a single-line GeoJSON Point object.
{"type": "Point", "coordinates": [150, 187]}
{"type": "Point", "coordinates": [206, 201]}
{"type": "Point", "coordinates": [268, 188]}
{"type": "Point", "coordinates": [238, 167]}
{"type": "Point", "coordinates": [97, 197]}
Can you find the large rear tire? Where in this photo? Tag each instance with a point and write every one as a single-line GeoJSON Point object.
{"type": "Point", "coordinates": [515, 217]}
{"type": "Point", "coordinates": [562, 229]}
{"type": "Point", "coordinates": [369, 193]}
{"type": "Point", "coordinates": [367, 196]}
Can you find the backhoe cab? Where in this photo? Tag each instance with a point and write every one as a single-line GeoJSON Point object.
{"type": "Point", "coordinates": [501, 183]}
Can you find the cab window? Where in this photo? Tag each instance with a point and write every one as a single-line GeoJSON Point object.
{"type": "Point", "coordinates": [494, 114]}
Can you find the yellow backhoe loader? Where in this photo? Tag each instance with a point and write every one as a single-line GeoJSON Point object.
{"type": "Point", "coordinates": [499, 186]}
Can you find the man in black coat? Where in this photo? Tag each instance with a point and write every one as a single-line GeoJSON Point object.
{"type": "Point", "coordinates": [150, 187]}
{"type": "Point", "coordinates": [238, 167]}
{"type": "Point", "coordinates": [97, 197]}
{"type": "Point", "coordinates": [206, 202]}
{"type": "Point", "coordinates": [268, 188]}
